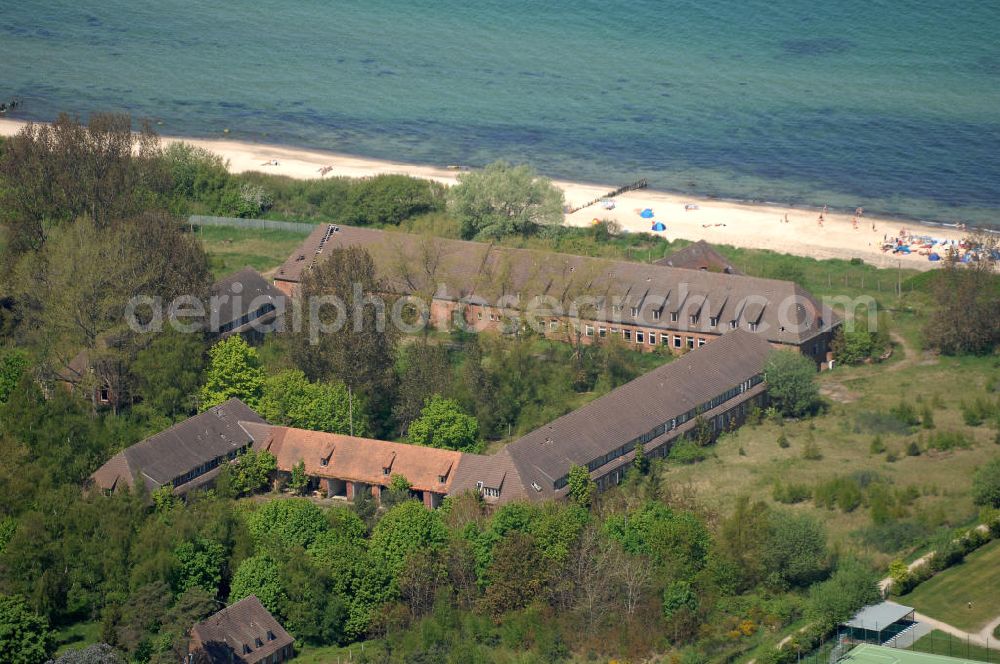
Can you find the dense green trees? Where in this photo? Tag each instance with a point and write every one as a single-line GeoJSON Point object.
{"type": "Point", "coordinates": [389, 199]}
{"type": "Point", "coordinates": [24, 636]}
{"type": "Point", "coordinates": [443, 424]}
{"type": "Point", "coordinates": [55, 173]}
{"type": "Point", "coordinates": [503, 200]}
{"type": "Point", "coordinates": [169, 372]}
{"type": "Point", "coordinates": [791, 383]}
{"type": "Point", "coordinates": [359, 349]}
{"type": "Point", "coordinates": [965, 320]}
{"type": "Point", "coordinates": [289, 398]}
{"type": "Point", "coordinates": [234, 370]}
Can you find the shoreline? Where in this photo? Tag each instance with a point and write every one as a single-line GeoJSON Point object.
{"type": "Point", "coordinates": [745, 224]}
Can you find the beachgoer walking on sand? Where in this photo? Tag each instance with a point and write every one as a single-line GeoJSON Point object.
{"type": "Point", "coordinates": [786, 217]}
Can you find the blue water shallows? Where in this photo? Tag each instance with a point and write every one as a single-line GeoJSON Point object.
{"type": "Point", "coordinates": [893, 105]}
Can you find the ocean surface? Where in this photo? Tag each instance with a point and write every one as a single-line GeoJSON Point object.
{"type": "Point", "coordinates": [893, 105]}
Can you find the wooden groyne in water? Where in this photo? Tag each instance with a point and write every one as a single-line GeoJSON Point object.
{"type": "Point", "coordinates": [638, 184]}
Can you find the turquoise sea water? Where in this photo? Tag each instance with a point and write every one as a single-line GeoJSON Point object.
{"type": "Point", "coordinates": [893, 105]}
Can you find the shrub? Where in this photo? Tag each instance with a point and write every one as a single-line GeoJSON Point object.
{"type": "Point", "coordinates": [891, 456]}
{"type": "Point", "coordinates": [912, 449]}
{"type": "Point", "coordinates": [686, 452]}
{"type": "Point", "coordinates": [986, 484]}
{"type": "Point", "coordinates": [811, 451]}
{"type": "Point", "coordinates": [877, 446]}
{"type": "Point", "coordinates": [949, 440]}
{"type": "Point", "coordinates": [791, 494]}
{"type": "Point", "coordinates": [905, 413]}
{"type": "Point", "coordinates": [927, 417]}
{"type": "Point", "coordinates": [783, 441]}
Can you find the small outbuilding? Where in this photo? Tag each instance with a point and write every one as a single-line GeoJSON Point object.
{"type": "Point", "coordinates": [878, 623]}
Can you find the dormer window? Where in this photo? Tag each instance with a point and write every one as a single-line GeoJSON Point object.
{"type": "Point", "coordinates": [733, 324]}
{"type": "Point", "coordinates": [713, 321]}
{"type": "Point", "coordinates": [694, 320]}
{"type": "Point", "coordinates": [752, 326]}
{"type": "Point", "coordinates": [385, 471]}
{"type": "Point", "coordinates": [270, 635]}
{"type": "Point", "coordinates": [673, 316]}
{"type": "Point", "coordinates": [324, 461]}
{"type": "Point", "coordinates": [257, 642]}
{"type": "Point", "coordinates": [656, 314]}
{"type": "Point", "coordinates": [442, 478]}
{"type": "Point", "coordinates": [246, 649]}
{"type": "Point", "coordinates": [635, 311]}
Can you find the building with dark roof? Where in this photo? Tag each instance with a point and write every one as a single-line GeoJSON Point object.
{"type": "Point", "coordinates": [244, 303]}
{"type": "Point", "coordinates": [716, 385]}
{"type": "Point", "coordinates": [711, 389]}
{"type": "Point", "coordinates": [188, 455]}
{"type": "Point", "coordinates": [242, 633]}
{"type": "Point", "coordinates": [485, 286]}
{"type": "Point", "coordinates": [699, 256]}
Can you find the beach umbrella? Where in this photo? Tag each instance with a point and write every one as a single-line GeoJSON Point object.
{"type": "Point", "coordinates": [646, 214]}
{"type": "Point", "coordinates": [658, 226]}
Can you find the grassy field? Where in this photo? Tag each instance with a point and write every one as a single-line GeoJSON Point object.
{"type": "Point", "coordinates": [77, 635]}
{"type": "Point", "coordinates": [230, 249]}
{"type": "Point", "coordinates": [946, 595]}
{"type": "Point", "coordinates": [750, 461]}
{"type": "Point", "coordinates": [942, 643]}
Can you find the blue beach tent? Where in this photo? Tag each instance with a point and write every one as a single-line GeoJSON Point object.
{"type": "Point", "coordinates": [658, 226]}
{"type": "Point", "coordinates": [646, 214]}
{"type": "Point", "coordinates": [934, 257]}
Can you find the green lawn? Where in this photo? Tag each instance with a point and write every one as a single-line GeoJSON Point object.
{"type": "Point", "coordinates": [941, 643]}
{"type": "Point", "coordinates": [946, 596]}
{"type": "Point", "coordinates": [230, 249]}
{"type": "Point", "coordinates": [333, 654]}
{"type": "Point", "coordinates": [77, 635]}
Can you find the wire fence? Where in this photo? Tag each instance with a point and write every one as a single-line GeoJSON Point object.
{"type": "Point", "coordinates": [838, 647]}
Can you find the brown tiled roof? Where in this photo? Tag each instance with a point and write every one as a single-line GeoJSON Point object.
{"type": "Point", "coordinates": [176, 451]}
{"type": "Point", "coordinates": [605, 424]}
{"type": "Point", "coordinates": [242, 624]}
{"type": "Point", "coordinates": [473, 271]}
{"type": "Point", "coordinates": [699, 256]}
{"type": "Point", "coordinates": [252, 287]}
{"type": "Point", "coordinates": [357, 459]}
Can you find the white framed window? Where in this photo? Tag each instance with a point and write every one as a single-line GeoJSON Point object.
{"type": "Point", "coordinates": [694, 320]}
{"type": "Point", "coordinates": [701, 342]}
{"type": "Point", "coordinates": [713, 321]}
{"type": "Point", "coordinates": [651, 337]}
{"type": "Point", "coordinates": [665, 339]}
{"type": "Point", "coordinates": [627, 334]}
{"type": "Point", "coordinates": [656, 314]}
{"type": "Point", "coordinates": [752, 326]}
{"type": "Point", "coordinates": [602, 332]}
{"type": "Point", "coordinates": [673, 316]}
{"type": "Point", "coordinates": [639, 336]}
{"type": "Point", "coordinates": [733, 324]}
{"type": "Point", "coordinates": [589, 330]}
{"type": "Point", "coordinates": [677, 341]}
{"type": "Point", "coordinates": [553, 325]}
{"type": "Point", "coordinates": [635, 311]}
{"type": "Point", "coordinates": [690, 342]}
{"type": "Point", "coordinates": [479, 315]}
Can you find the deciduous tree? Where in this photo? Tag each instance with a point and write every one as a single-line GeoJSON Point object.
{"type": "Point", "coordinates": [443, 424]}
{"type": "Point", "coordinates": [791, 383]}
{"type": "Point", "coordinates": [24, 636]}
{"type": "Point", "coordinates": [234, 370]}
{"type": "Point", "coordinates": [503, 200]}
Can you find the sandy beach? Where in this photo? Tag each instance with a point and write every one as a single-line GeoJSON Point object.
{"type": "Point", "coordinates": [738, 224]}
